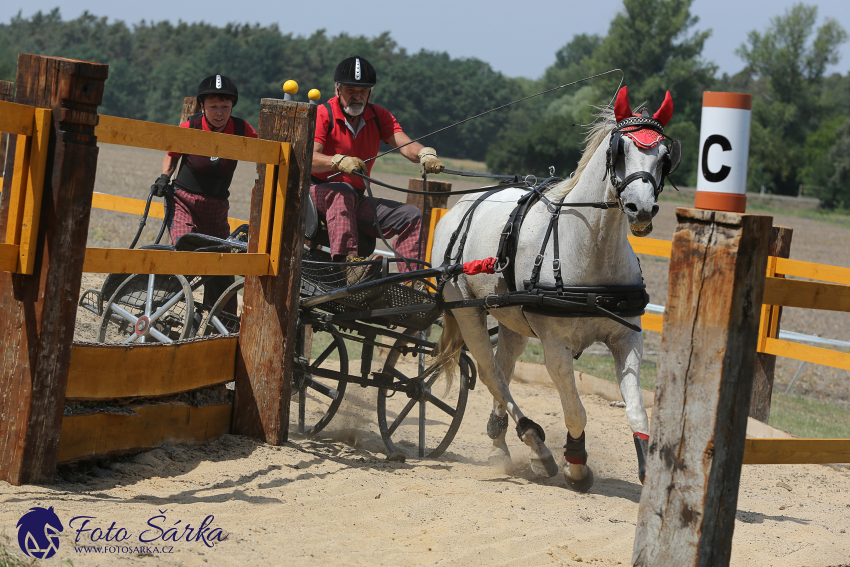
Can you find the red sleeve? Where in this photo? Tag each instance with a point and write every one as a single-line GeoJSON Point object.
{"type": "Point", "coordinates": [389, 125]}
{"type": "Point", "coordinates": [250, 132]}
{"type": "Point", "coordinates": [322, 125]}
{"type": "Point", "coordinates": [177, 154]}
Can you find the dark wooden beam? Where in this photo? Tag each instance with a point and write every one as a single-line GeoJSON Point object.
{"type": "Point", "coordinates": [708, 353]}
{"type": "Point", "coordinates": [426, 204]}
{"type": "Point", "coordinates": [37, 312]}
{"type": "Point", "coordinates": [780, 246]}
{"type": "Point", "coordinates": [270, 307]}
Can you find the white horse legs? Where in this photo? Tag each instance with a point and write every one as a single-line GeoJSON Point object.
{"type": "Point", "coordinates": [628, 353]}
{"type": "Point", "coordinates": [559, 364]}
{"type": "Point", "coordinates": [511, 346]}
{"type": "Point", "coordinates": [473, 327]}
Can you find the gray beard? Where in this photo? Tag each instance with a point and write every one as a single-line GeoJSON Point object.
{"type": "Point", "coordinates": [355, 110]}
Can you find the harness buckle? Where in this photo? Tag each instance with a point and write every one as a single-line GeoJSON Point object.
{"type": "Point", "coordinates": [498, 269]}
{"type": "Point", "coordinates": [556, 265]}
{"type": "Point", "coordinates": [538, 260]}
{"type": "Point", "coordinates": [510, 229]}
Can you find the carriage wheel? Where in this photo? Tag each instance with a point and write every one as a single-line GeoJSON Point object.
{"type": "Point", "coordinates": [317, 398]}
{"type": "Point", "coordinates": [219, 321]}
{"type": "Point", "coordinates": [425, 424]}
{"type": "Point", "coordinates": [149, 308]}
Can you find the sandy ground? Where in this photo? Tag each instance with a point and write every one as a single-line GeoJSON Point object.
{"type": "Point", "coordinates": [336, 499]}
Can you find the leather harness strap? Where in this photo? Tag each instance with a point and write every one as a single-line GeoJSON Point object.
{"type": "Point", "coordinates": [467, 218]}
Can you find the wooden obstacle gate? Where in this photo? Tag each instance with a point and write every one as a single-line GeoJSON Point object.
{"type": "Point", "coordinates": [44, 211]}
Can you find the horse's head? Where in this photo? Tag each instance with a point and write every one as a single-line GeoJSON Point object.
{"type": "Point", "coordinates": [638, 160]}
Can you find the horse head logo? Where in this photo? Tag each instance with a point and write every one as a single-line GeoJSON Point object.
{"type": "Point", "coordinates": [38, 532]}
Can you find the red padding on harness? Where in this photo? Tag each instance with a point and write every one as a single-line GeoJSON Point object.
{"type": "Point", "coordinates": [484, 266]}
{"type": "Point", "coordinates": [642, 436]}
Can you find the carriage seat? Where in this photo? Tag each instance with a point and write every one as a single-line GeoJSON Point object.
{"type": "Point", "coordinates": [197, 242]}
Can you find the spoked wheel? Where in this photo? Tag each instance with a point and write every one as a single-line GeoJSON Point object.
{"type": "Point", "coordinates": [219, 321]}
{"type": "Point", "coordinates": [317, 398]}
{"type": "Point", "coordinates": [149, 308]}
{"type": "Point", "coordinates": [425, 424]}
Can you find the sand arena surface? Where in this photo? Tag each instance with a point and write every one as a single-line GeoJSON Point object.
{"type": "Point", "coordinates": [336, 500]}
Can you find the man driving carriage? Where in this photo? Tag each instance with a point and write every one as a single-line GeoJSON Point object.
{"type": "Point", "coordinates": [201, 187]}
{"type": "Point", "coordinates": [348, 131]}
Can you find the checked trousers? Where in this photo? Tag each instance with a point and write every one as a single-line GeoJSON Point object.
{"type": "Point", "coordinates": [348, 212]}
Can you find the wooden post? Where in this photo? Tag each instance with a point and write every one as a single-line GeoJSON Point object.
{"type": "Point", "coordinates": [7, 92]}
{"type": "Point", "coordinates": [780, 246]}
{"type": "Point", "coordinates": [708, 351]}
{"type": "Point", "coordinates": [190, 108]}
{"type": "Point", "coordinates": [267, 334]}
{"type": "Point", "coordinates": [37, 312]}
{"type": "Point", "coordinates": [425, 205]}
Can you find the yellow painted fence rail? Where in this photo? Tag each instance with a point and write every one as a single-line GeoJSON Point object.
{"type": "Point", "coordinates": [31, 125]}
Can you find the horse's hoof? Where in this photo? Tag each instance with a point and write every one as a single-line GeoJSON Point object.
{"type": "Point", "coordinates": [501, 462]}
{"type": "Point", "coordinates": [579, 485]}
{"type": "Point", "coordinates": [546, 466]}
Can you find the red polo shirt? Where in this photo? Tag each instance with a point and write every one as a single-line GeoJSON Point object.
{"type": "Point", "coordinates": [341, 140]}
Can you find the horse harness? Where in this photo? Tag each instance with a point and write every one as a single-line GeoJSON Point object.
{"type": "Point", "coordinates": [625, 127]}
{"type": "Point", "coordinates": [613, 302]}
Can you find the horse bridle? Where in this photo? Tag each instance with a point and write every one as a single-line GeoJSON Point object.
{"type": "Point", "coordinates": [670, 162]}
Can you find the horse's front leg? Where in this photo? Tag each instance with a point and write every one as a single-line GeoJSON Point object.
{"type": "Point", "coordinates": [473, 327]}
{"type": "Point", "coordinates": [511, 346]}
{"type": "Point", "coordinates": [628, 354]}
{"type": "Point", "coordinates": [559, 364]}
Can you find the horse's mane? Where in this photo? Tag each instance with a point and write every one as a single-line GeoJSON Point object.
{"type": "Point", "coordinates": [597, 131]}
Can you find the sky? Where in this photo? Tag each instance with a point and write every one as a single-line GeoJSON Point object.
{"type": "Point", "coordinates": [518, 38]}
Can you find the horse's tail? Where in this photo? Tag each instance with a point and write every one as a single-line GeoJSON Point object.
{"type": "Point", "coordinates": [448, 349]}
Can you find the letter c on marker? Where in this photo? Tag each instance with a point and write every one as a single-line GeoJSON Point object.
{"type": "Point", "coordinates": [723, 173]}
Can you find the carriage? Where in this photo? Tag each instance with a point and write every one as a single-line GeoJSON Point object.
{"type": "Point", "coordinates": [391, 319]}
{"type": "Point", "coordinates": [597, 296]}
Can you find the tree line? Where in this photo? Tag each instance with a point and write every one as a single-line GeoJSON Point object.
{"type": "Point", "coordinates": [800, 137]}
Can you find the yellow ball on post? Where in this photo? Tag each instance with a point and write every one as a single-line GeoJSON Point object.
{"type": "Point", "coordinates": [290, 88]}
{"type": "Point", "coordinates": [314, 94]}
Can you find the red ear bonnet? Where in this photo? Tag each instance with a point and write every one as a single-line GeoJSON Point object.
{"type": "Point", "coordinates": [622, 109]}
{"type": "Point", "coordinates": [665, 112]}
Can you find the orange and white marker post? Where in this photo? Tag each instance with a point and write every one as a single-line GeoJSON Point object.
{"type": "Point", "coordinates": [724, 148]}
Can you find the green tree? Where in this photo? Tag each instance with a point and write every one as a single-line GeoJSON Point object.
{"type": "Point", "coordinates": [653, 42]}
{"type": "Point", "coordinates": [818, 168]}
{"type": "Point", "coordinates": [838, 186]}
{"type": "Point", "coordinates": [787, 64]}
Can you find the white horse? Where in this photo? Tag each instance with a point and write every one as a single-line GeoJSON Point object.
{"type": "Point", "coordinates": [594, 251]}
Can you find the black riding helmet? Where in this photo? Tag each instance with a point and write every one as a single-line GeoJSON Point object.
{"type": "Point", "coordinates": [355, 72]}
{"type": "Point", "coordinates": [217, 85]}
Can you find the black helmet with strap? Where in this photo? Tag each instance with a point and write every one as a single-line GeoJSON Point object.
{"type": "Point", "coordinates": [355, 72]}
{"type": "Point", "coordinates": [218, 85]}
